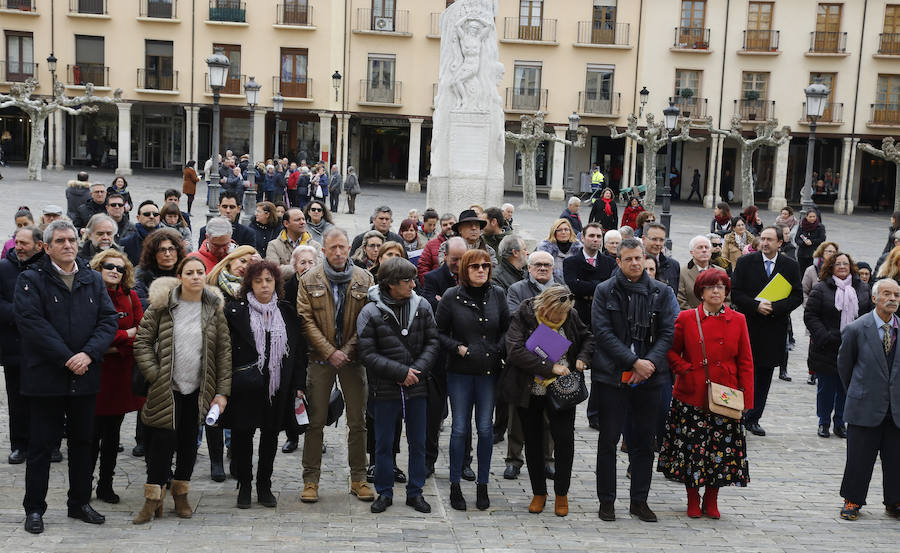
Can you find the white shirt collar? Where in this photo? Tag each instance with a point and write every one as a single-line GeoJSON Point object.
{"type": "Point", "coordinates": [774, 258]}
{"type": "Point", "coordinates": [60, 271]}
{"type": "Point", "coordinates": [881, 322]}
{"type": "Point", "coordinates": [586, 256]}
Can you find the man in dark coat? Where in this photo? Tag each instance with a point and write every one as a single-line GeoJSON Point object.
{"type": "Point", "coordinates": [147, 222]}
{"type": "Point", "coordinates": [868, 366]}
{"type": "Point", "coordinates": [115, 208]}
{"type": "Point", "coordinates": [96, 204]}
{"type": "Point", "coordinates": [631, 317]}
{"type": "Point", "coordinates": [398, 343]}
{"type": "Point", "coordinates": [28, 250]}
{"type": "Point", "coordinates": [230, 208]}
{"type": "Point", "coordinates": [381, 221]}
{"type": "Point", "coordinates": [67, 322]}
{"type": "Point", "coordinates": [767, 321]}
{"type": "Point", "coordinates": [445, 276]}
{"type": "Point", "coordinates": [668, 268]}
{"type": "Point", "coordinates": [512, 256]}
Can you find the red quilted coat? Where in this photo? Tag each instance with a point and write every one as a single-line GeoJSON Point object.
{"type": "Point", "coordinates": [115, 397]}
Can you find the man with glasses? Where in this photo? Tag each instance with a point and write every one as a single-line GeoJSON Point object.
{"type": "Point", "coordinates": [540, 275]}
{"type": "Point", "coordinates": [715, 257]}
{"type": "Point", "coordinates": [381, 221]}
{"type": "Point", "coordinates": [668, 269]}
{"type": "Point", "coordinates": [94, 205]}
{"type": "Point", "coordinates": [147, 222]}
{"type": "Point", "coordinates": [115, 208]}
{"type": "Point", "coordinates": [700, 249]}
{"type": "Point", "coordinates": [292, 235]}
{"type": "Point", "coordinates": [218, 242]}
{"type": "Point", "coordinates": [230, 208]}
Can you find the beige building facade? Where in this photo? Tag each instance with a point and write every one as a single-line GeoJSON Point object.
{"type": "Point", "coordinates": [593, 57]}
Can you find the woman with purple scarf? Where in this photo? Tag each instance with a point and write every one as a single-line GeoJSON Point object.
{"type": "Point", "coordinates": [267, 372]}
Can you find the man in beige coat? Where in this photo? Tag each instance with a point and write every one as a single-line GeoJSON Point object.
{"type": "Point", "coordinates": [701, 250]}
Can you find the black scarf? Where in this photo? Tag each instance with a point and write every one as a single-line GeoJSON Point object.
{"type": "Point", "coordinates": [399, 307]}
{"type": "Point", "coordinates": [637, 311]}
{"type": "Point", "coordinates": [338, 281]}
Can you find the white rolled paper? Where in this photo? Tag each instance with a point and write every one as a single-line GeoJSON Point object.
{"type": "Point", "coordinates": [213, 415]}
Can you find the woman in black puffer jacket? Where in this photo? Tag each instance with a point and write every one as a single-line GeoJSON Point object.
{"type": "Point", "coordinates": [836, 300]}
{"type": "Point", "coordinates": [472, 319]}
{"type": "Point", "coordinates": [398, 344]}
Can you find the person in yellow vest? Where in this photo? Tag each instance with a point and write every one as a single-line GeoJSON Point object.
{"type": "Point", "coordinates": [597, 178]}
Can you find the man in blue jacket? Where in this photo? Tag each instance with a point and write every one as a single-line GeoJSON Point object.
{"type": "Point", "coordinates": [631, 317]}
{"type": "Point", "coordinates": [147, 222]}
{"type": "Point", "coordinates": [67, 322]}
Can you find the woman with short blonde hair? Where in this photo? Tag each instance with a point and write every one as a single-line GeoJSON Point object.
{"type": "Point", "coordinates": [560, 243]}
{"type": "Point", "coordinates": [228, 274]}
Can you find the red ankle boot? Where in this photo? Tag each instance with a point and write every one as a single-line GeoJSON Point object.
{"type": "Point", "coordinates": [693, 507]}
{"type": "Point", "coordinates": [710, 507]}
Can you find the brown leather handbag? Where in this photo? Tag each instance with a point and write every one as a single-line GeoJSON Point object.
{"type": "Point", "coordinates": [720, 399]}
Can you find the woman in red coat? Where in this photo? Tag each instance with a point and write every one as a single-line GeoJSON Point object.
{"type": "Point", "coordinates": [115, 397]}
{"type": "Point", "coordinates": [701, 448]}
{"type": "Point", "coordinates": [629, 217]}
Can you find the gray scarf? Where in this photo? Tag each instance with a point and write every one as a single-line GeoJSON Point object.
{"type": "Point", "coordinates": [399, 307]}
{"type": "Point", "coordinates": [540, 287]}
{"type": "Point", "coordinates": [338, 281]}
{"type": "Point", "coordinates": [637, 295]}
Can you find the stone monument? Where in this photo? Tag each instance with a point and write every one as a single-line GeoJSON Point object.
{"type": "Point", "coordinates": [467, 144]}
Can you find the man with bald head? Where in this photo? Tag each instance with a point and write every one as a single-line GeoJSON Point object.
{"type": "Point", "coordinates": [446, 275]}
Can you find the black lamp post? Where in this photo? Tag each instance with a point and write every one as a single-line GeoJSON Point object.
{"type": "Point", "coordinates": [571, 136]}
{"type": "Point", "coordinates": [816, 96]}
{"type": "Point", "coordinates": [218, 64]}
{"type": "Point", "coordinates": [645, 95]}
{"type": "Point", "coordinates": [51, 65]}
{"type": "Point", "coordinates": [277, 106]}
{"type": "Point", "coordinates": [251, 91]}
{"type": "Point", "coordinates": [336, 83]}
{"type": "Point", "coordinates": [670, 116]}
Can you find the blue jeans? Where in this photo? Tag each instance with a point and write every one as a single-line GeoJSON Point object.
{"type": "Point", "coordinates": [385, 413]}
{"type": "Point", "coordinates": [466, 391]}
{"type": "Point", "coordinates": [830, 396]}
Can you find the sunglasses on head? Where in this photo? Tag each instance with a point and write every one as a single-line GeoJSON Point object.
{"type": "Point", "coordinates": [113, 267]}
{"type": "Point", "coordinates": [486, 266]}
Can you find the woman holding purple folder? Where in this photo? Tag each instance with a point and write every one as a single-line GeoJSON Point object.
{"type": "Point", "coordinates": [526, 378]}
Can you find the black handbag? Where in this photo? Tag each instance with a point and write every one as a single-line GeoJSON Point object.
{"type": "Point", "coordinates": [567, 391]}
{"type": "Point", "coordinates": [335, 406]}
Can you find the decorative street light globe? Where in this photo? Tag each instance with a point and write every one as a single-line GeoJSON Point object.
{"type": "Point", "coordinates": [251, 89]}
{"type": "Point", "coordinates": [277, 103]}
{"type": "Point", "coordinates": [816, 96]}
{"type": "Point", "coordinates": [573, 122]}
{"type": "Point", "coordinates": [670, 116]}
{"type": "Point", "coordinates": [336, 83]}
{"type": "Point", "coordinates": [218, 64]}
{"type": "Point", "coordinates": [51, 62]}
{"type": "Point", "coordinates": [645, 94]}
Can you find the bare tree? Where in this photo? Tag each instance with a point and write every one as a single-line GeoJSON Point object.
{"type": "Point", "coordinates": [766, 135]}
{"type": "Point", "coordinates": [39, 109]}
{"type": "Point", "coordinates": [888, 152]}
{"type": "Point", "coordinates": [652, 139]}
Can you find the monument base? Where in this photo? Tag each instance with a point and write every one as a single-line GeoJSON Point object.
{"type": "Point", "coordinates": [775, 204]}
{"type": "Point", "coordinates": [710, 201]}
{"type": "Point", "coordinates": [413, 187]}
{"type": "Point", "coordinates": [556, 194]}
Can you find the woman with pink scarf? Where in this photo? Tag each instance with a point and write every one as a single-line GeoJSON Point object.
{"type": "Point", "coordinates": [266, 373]}
{"type": "Point", "coordinates": [838, 299]}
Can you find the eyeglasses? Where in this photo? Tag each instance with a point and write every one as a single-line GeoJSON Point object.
{"type": "Point", "coordinates": [406, 280]}
{"type": "Point", "coordinates": [841, 264]}
{"type": "Point", "coordinates": [150, 213]}
{"type": "Point", "coordinates": [717, 244]}
{"type": "Point", "coordinates": [567, 298]}
{"type": "Point", "coordinates": [542, 265]}
{"type": "Point", "coordinates": [486, 266]}
{"type": "Point", "coordinates": [168, 249]}
{"type": "Point", "coordinates": [376, 246]}
{"type": "Point", "coordinates": [113, 267]}
{"type": "Point", "coordinates": [315, 209]}
{"type": "Point", "coordinates": [116, 205]}
{"type": "Point", "coordinates": [716, 287]}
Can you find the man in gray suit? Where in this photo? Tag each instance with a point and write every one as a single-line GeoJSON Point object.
{"type": "Point", "coordinates": [540, 273]}
{"type": "Point", "coordinates": [870, 371]}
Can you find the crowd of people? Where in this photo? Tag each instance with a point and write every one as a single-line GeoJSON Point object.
{"type": "Point", "coordinates": [103, 316]}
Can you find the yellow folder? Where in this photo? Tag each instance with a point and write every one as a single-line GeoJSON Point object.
{"type": "Point", "coordinates": [777, 289]}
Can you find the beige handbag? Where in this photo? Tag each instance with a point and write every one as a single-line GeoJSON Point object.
{"type": "Point", "coordinates": [720, 399]}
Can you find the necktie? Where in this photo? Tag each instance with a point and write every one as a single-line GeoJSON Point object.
{"type": "Point", "coordinates": [592, 261]}
{"type": "Point", "coordinates": [886, 340]}
{"type": "Point", "coordinates": [768, 268]}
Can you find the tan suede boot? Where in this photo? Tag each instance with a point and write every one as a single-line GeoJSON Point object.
{"type": "Point", "coordinates": [162, 498]}
{"type": "Point", "coordinates": [152, 501]}
{"type": "Point", "coordinates": [180, 489]}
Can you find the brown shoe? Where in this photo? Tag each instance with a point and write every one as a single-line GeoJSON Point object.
{"type": "Point", "coordinates": [310, 493]}
{"type": "Point", "coordinates": [180, 489]}
{"type": "Point", "coordinates": [561, 505]}
{"type": "Point", "coordinates": [152, 501]}
{"type": "Point", "coordinates": [537, 504]}
{"type": "Point", "coordinates": [162, 497]}
{"type": "Point", "coordinates": [362, 490]}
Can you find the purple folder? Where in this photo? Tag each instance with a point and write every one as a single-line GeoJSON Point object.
{"type": "Point", "coordinates": [547, 343]}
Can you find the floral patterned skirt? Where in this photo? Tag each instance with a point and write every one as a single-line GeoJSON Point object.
{"type": "Point", "coordinates": [703, 449]}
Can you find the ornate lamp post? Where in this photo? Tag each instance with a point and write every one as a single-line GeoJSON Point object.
{"type": "Point", "coordinates": [251, 91]}
{"type": "Point", "coordinates": [816, 96]}
{"type": "Point", "coordinates": [218, 64]}
{"type": "Point", "coordinates": [645, 95]}
{"type": "Point", "coordinates": [571, 136]}
{"type": "Point", "coordinates": [277, 106]}
{"type": "Point", "coordinates": [670, 117]}
{"type": "Point", "coordinates": [336, 83]}
{"type": "Point", "coordinates": [51, 65]}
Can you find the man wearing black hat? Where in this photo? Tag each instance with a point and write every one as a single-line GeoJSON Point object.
{"type": "Point", "coordinates": [470, 227]}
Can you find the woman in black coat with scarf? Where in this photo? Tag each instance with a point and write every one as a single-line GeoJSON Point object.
{"type": "Point", "coordinates": [835, 301]}
{"type": "Point", "coordinates": [268, 370]}
{"type": "Point", "coordinates": [810, 234]}
{"type": "Point", "coordinates": [605, 211]}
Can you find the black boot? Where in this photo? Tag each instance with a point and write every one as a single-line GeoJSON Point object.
{"type": "Point", "coordinates": [215, 441]}
{"type": "Point", "coordinates": [481, 497]}
{"type": "Point", "coordinates": [783, 375]}
{"type": "Point", "coordinates": [243, 498]}
{"type": "Point", "coordinates": [264, 494]}
{"type": "Point", "coordinates": [105, 492]}
{"type": "Point", "coordinates": [457, 501]}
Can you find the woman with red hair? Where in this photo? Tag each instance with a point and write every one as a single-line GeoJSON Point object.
{"type": "Point", "coordinates": [701, 448]}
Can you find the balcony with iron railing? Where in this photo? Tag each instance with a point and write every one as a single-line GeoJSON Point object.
{"type": "Point", "coordinates": [377, 92]}
{"type": "Point", "coordinates": [152, 81]}
{"type": "Point", "coordinates": [603, 34]}
{"type": "Point", "coordinates": [760, 42]}
{"type": "Point", "coordinates": [227, 11]}
{"type": "Point", "coordinates": [17, 72]}
{"type": "Point", "coordinates": [593, 104]}
{"type": "Point", "coordinates": [294, 14]}
{"type": "Point", "coordinates": [889, 44]}
{"type": "Point", "coordinates": [754, 110]}
{"type": "Point", "coordinates": [392, 23]}
{"type": "Point", "coordinates": [434, 31]}
{"type": "Point", "coordinates": [884, 115]}
{"type": "Point", "coordinates": [526, 100]}
{"type": "Point", "coordinates": [19, 6]}
{"type": "Point", "coordinates": [827, 43]}
{"type": "Point", "coordinates": [296, 88]}
{"type": "Point", "coordinates": [234, 85]}
{"type": "Point", "coordinates": [82, 73]}
{"type": "Point", "coordinates": [690, 107]}
{"type": "Point", "coordinates": [691, 39]}
{"type": "Point", "coordinates": [87, 7]}
{"type": "Point", "coordinates": [517, 29]}
{"type": "Point", "coordinates": [833, 114]}
{"type": "Point", "coordinates": [158, 9]}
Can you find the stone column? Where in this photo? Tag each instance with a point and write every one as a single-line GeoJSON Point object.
{"type": "Point", "coordinates": [258, 120]}
{"type": "Point", "coordinates": [633, 166]}
{"type": "Point", "coordinates": [839, 205]}
{"type": "Point", "coordinates": [415, 153]}
{"type": "Point", "coordinates": [850, 178]}
{"type": "Point", "coordinates": [717, 170]}
{"type": "Point", "coordinates": [191, 140]}
{"type": "Point", "coordinates": [558, 172]}
{"type": "Point", "coordinates": [325, 136]}
{"type": "Point", "coordinates": [344, 141]}
{"type": "Point", "coordinates": [626, 165]}
{"type": "Point", "coordinates": [60, 147]}
{"type": "Point", "coordinates": [124, 146]}
{"type": "Point", "coordinates": [711, 196]}
{"type": "Point", "coordinates": [779, 184]}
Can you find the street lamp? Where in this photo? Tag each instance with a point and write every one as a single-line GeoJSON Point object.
{"type": "Point", "coordinates": [336, 83]}
{"type": "Point", "coordinates": [277, 106]}
{"type": "Point", "coordinates": [251, 91]}
{"type": "Point", "coordinates": [816, 94]}
{"type": "Point", "coordinates": [571, 136]}
{"type": "Point", "coordinates": [670, 117]}
{"type": "Point", "coordinates": [218, 64]}
{"type": "Point", "coordinates": [51, 65]}
{"type": "Point", "coordinates": [645, 95]}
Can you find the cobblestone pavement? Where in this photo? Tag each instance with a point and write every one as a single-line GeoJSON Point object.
{"type": "Point", "coordinates": [791, 504]}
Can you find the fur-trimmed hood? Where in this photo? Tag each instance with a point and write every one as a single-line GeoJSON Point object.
{"type": "Point", "coordinates": [78, 184]}
{"type": "Point", "coordinates": [163, 293]}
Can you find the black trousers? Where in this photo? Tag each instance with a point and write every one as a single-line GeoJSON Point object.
{"type": "Point", "coordinates": [106, 445]}
{"type": "Point", "coordinates": [47, 418]}
{"type": "Point", "coordinates": [863, 445]}
{"type": "Point", "coordinates": [642, 401]}
{"type": "Point", "coordinates": [436, 411]}
{"type": "Point", "coordinates": [562, 428]}
{"type": "Point", "coordinates": [138, 429]}
{"type": "Point", "coordinates": [501, 417]}
{"type": "Point", "coordinates": [242, 455]}
{"type": "Point", "coordinates": [161, 443]}
{"type": "Point", "coordinates": [762, 381]}
{"type": "Point", "coordinates": [18, 410]}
